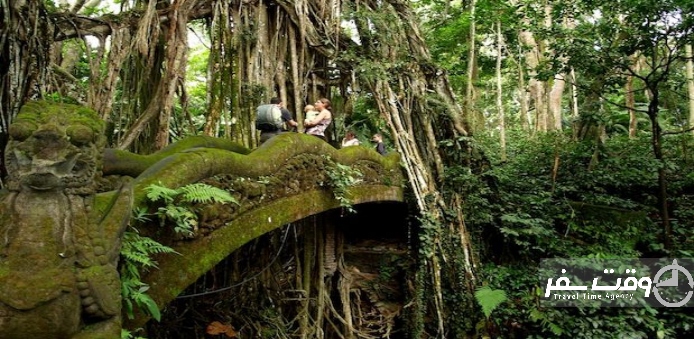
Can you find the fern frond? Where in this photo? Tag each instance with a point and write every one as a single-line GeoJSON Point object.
{"type": "Point", "coordinates": [141, 214]}
{"type": "Point", "coordinates": [204, 193]}
{"type": "Point", "coordinates": [489, 299]}
{"type": "Point", "coordinates": [156, 192]}
{"type": "Point", "coordinates": [144, 244]}
{"type": "Point", "coordinates": [137, 250]}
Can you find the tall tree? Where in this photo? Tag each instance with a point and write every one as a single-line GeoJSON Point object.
{"type": "Point", "coordinates": [690, 83]}
{"type": "Point", "coordinates": [499, 90]}
{"type": "Point", "coordinates": [603, 46]}
{"type": "Point", "coordinates": [24, 59]}
{"type": "Point", "coordinates": [558, 83]}
{"type": "Point", "coordinates": [533, 56]}
{"type": "Point", "coordinates": [477, 120]}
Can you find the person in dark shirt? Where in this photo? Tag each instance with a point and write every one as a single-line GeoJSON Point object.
{"type": "Point", "coordinates": [290, 124]}
{"type": "Point", "coordinates": [380, 147]}
{"type": "Point", "coordinates": [286, 115]}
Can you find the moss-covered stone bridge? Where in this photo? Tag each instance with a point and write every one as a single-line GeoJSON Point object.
{"type": "Point", "coordinates": [286, 179]}
{"type": "Point", "coordinates": [68, 201]}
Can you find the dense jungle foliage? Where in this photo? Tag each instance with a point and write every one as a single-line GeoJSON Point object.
{"type": "Point", "coordinates": [558, 197]}
{"type": "Point", "coordinates": [529, 129]}
{"type": "Point", "coordinates": [553, 199]}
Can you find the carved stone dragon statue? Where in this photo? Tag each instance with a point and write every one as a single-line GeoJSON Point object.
{"type": "Point", "coordinates": [59, 242]}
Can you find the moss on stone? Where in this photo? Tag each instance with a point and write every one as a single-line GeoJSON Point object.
{"type": "Point", "coordinates": [119, 162]}
{"type": "Point", "coordinates": [22, 129]}
{"type": "Point", "coordinates": [187, 167]}
{"type": "Point", "coordinates": [59, 114]}
{"type": "Point", "coordinates": [80, 134]}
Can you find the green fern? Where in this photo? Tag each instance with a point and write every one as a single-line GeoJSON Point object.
{"type": "Point", "coordinates": [158, 192]}
{"type": "Point", "coordinates": [203, 193]}
{"type": "Point", "coordinates": [489, 299]}
{"type": "Point", "coordinates": [137, 249]}
{"type": "Point", "coordinates": [136, 253]}
{"type": "Point", "coordinates": [135, 293]}
{"type": "Point", "coordinates": [537, 315]}
{"type": "Point", "coordinates": [178, 203]}
{"type": "Point", "coordinates": [141, 214]}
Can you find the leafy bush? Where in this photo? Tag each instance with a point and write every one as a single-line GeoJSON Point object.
{"type": "Point", "coordinates": [556, 197]}
{"type": "Point", "coordinates": [342, 177]}
{"type": "Point", "coordinates": [178, 203]}
{"type": "Point", "coordinates": [137, 251]}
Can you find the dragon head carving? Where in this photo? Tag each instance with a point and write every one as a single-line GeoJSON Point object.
{"type": "Point", "coordinates": [55, 147]}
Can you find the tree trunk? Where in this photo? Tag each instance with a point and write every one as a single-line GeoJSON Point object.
{"type": "Point", "coordinates": [690, 84]}
{"type": "Point", "coordinates": [414, 128]}
{"type": "Point", "coordinates": [574, 104]}
{"type": "Point", "coordinates": [570, 23]}
{"type": "Point", "coordinates": [555, 96]}
{"type": "Point", "coordinates": [656, 141]}
{"type": "Point", "coordinates": [477, 120]}
{"type": "Point", "coordinates": [523, 97]}
{"type": "Point", "coordinates": [630, 97]}
{"type": "Point", "coordinates": [536, 87]}
{"type": "Point", "coordinates": [309, 263]}
{"type": "Point", "coordinates": [24, 55]}
{"type": "Point", "coordinates": [630, 102]}
{"type": "Point", "coordinates": [219, 68]}
{"type": "Point", "coordinates": [499, 90]}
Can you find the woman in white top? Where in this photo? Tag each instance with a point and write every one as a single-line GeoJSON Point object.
{"type": "Point", "coordinates": [317, 125]}
{"type": "Point", "coordinates": [350, 139]}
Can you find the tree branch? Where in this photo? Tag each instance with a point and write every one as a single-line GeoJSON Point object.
{"type": "Point", "coordinates": [70, 25]}
{"type": "Point", "coordinates": [678, 132]}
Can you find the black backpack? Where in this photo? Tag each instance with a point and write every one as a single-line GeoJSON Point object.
{"type": "Point", "coordinates": [268, 118]}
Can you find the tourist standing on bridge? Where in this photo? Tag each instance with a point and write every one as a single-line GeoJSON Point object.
{"type": "Point", "coordinates": [350, 139]}
{"type": "Point", "coordinates": [274, 119]}
{"type": "Point", "coordinates": [380, 147]}
{"type": "Point", "coordinates": [317, 125]}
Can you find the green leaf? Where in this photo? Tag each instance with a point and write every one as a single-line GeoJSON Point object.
{"type": "Point", "coordinates": [157, 192]}
{"type": "Point", "coordinates": [489, 299]}
{"type": "Point", "coordinates": [152, 307]}
{"type": "Point", "coordinates": [204, 193]}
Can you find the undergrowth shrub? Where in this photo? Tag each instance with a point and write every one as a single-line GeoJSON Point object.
{"type": "Point", "coordinates": [559, 198]}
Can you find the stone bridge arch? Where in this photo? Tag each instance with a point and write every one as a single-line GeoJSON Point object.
{"type": "Point", "coordinates": [283, 181]}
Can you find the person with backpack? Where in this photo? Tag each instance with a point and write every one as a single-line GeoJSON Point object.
{"type": "Point", "coordinates": [271, 119]}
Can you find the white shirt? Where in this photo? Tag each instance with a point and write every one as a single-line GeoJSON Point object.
{"type": "Point", "coordinates": [352, 142]}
